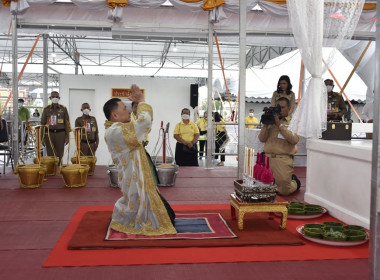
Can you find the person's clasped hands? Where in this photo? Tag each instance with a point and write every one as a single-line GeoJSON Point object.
{"type": "Point", "coordinates": [136, 94]}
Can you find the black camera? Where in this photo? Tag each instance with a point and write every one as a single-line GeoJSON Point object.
{"type": "Point", "coordinates": [269, 113]}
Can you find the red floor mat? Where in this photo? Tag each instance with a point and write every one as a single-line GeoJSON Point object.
{"type": "Point", "coordinates": [61, 256]}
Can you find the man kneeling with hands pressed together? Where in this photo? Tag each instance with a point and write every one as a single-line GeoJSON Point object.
{"type": "Point", "coordinates": [280, 147]}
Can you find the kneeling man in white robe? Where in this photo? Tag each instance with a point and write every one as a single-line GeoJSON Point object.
{"type": "Point", "coordinates": [141, 210]}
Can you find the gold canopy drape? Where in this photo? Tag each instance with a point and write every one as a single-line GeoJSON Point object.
{"type": "Point", "coordinates": [113, 3]}
{"type": "Point", "coordinates": [208, 5]}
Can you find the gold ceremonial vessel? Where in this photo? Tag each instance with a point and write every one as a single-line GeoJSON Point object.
{"type": "Point", "coordinates": [74, 175]}
{"type": "Point", "coordinates": [51, 163]}
{"type": "Point", "coordinates": [30, 175]}
{"type": "Point", "coordinates": [89, 160]}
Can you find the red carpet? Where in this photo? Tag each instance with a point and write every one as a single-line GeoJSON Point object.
{"type": "Point", "coordinates": [258, 231]}
{"type": "Point", "coordinates": [188, 226]}
{"type": "Point", "coordinates": [61, 256]}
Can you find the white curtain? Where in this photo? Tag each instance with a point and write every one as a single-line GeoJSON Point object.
{"type": "Point", "coordinates": [318, 23]}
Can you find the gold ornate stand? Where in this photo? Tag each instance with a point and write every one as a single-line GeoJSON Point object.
{"type": "Point", "coordinates": [247, 207]}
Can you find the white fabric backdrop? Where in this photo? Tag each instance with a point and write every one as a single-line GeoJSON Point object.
{"type": "Point", "coordinates": [231, 6]}
{"type": "Point", "coordinates": [316, 23]}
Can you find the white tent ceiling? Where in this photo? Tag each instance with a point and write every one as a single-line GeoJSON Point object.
{"type": "Point", "coordinates": [142, 42]}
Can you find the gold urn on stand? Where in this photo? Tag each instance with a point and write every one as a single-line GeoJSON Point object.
{"type": "Point", "coordinates": [75, 175]}
{"type": "Point", "coordinates": [89, 160]}
{"type": "Point", "coordinates": [30, 175]}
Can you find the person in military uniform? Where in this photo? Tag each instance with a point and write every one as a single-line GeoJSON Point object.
{"type": "Point", "coordinates": [23, 116]}
{"type": "Point", "coordinates": [280, 147]}
{"type": "Point", "coordinates": [336, 108]}
{"type": "Point", "coordinates": [56, 119]}
{"type": "Point", "coordinates": [90, 133]}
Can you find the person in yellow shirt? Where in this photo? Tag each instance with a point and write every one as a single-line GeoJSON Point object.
{"type": "Point", "coordinates": [220, 138]}
{"type": "Point", "coordinates": [202, 125]}
{"type": "Point", "coordinates": [251, 119]}
{"type": "Point", "coordinates": [186, 133]}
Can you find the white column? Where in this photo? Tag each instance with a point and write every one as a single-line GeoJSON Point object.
{"type": "Point", "coordinates": [45, 70]}
{"type": "Point", "coordinates": [15, 90]}
{"type": "Point", "coordinates": [210, 134]}
{"type": "Point", "coordinates": [374, 248]}
{"type": "Point", "coordinates": [242, 84]}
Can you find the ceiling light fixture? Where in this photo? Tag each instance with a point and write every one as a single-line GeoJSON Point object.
{"type": "Point", "coordinates": [175, 47]}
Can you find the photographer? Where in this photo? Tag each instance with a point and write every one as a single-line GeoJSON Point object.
{"type": "Point", "coordinates": [280, 147]}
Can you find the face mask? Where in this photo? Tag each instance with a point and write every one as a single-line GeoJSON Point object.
{"type": "Point", "coordinates": [86, 111]}
{"type": "Point", "coordinates": [329, 88]}
{"type": "Point", "coordinates": [128, 105]}
{"type": "Point", "coordinates": [251, 114]}
{"type": "Point", "coordinates": [55, 100]}
{"type": "Point", "coordinates": [185, 117]}
{"type": "Point", "coordinates": [19, 105]}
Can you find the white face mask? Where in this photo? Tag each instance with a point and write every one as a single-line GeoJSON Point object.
{"type": "Point", "coordinates": [251, 114]}
{"type": "Point", "coordinates": [55, 100]}
{"type": "Point", "coordinates": [329, 88]}
{"type": "Point", "coordinates": [185, 117]}
{"type": "Point", "coordinates": [86, 111]}
{"type": "Point", "coordinates": [20, 105]}
{"type": "Point", "coordinates": [128, 105]}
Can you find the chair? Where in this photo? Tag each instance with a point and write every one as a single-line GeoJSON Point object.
{"type": "Point", "coordinates": [5, 147]}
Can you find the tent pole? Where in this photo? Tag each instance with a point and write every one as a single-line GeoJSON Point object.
{"type": "Point", "coordinates": [355, 67]}
{"type": "Point", "coordinates": [45, 70]}
{"type": "Point", "coordinates": [242, 85]}
{"type": "Point", "coordinates": [210, 134]}
{"type": "Point", "coordinates": [374, 242]}
{"type": "Point", "coordinates": [15, 133]}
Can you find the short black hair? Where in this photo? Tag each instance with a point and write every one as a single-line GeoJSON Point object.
{"type": "Point", "coordinates": [85, 104]}
{"type": "Point", "coordinates": [21, 100]}
{"type": "Point", "coordinates": [185, 109]}
{"type": "Point", "coordinates": [110, 106]}
{"type": "Point", "coordinates": [284, 99]}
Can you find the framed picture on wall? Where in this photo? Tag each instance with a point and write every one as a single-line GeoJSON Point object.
{"type": "Point", "coordinates": [122, 93]}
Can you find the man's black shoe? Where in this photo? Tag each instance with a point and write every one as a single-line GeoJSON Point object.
{"type": "Point", "coordinates": [295, 178]}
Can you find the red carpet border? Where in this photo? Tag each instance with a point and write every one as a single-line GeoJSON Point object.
{"type": "Point", "coordinates": [60, 256]}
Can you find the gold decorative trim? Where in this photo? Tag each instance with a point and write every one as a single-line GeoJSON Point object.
{"type": "Point", "coordinates": [145, 107]}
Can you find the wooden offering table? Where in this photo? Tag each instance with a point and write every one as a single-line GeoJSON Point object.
{"type": "Point", "coordinates": [251, 207]}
